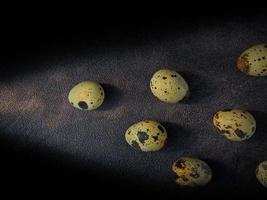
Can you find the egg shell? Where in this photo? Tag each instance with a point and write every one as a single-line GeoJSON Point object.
{"type": "Point", "coordinates": [191, 172]}
{"type": "Point", "coordinates": [169, 86]}
{"type": "Point", "coordinates": [261, 173]}
{"type": "Point", "coordinates": [253, 61]}
{"type": "Point", "coordinates": [146, 136]}
{"type": "Point", "coordinates": [87, 95]}
{"type": "Point", "coordinates": [235, 124]}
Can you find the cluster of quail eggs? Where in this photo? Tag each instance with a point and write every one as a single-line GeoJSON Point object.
{"type": "Point", "coordinates": [170, 87]}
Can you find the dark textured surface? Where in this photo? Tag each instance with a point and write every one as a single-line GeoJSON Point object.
{"type": "Point", "coordinates": [41, 127]}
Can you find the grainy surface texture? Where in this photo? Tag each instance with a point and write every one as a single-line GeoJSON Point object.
{"type": "Point", "coordinates": [36, 117]}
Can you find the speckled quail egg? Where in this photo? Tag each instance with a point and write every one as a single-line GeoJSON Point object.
{"type": "Point", "coordinates": [87, 95]}
{"type": "Point", "coordinates": [191, 172]}
{"type": "Point", "coordinates": [146, 136]}
{"type": "Point", "coordinates": [261, 173]}
{"type": "Point", "coordinates": [253, 61]}
{"type": "Point", "coordinates": [169, 86]}
{"type": "Point", "coordinates": [235, 124]}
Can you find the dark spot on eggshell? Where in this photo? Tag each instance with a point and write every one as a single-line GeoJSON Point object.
{"type": "Point", "coordinates": [83, 105]}
{"type": "Point", "coordinates": [101, 93]}
{"type": "Point", "coordinates": [161, 128]}
{"type": "Point", "coordinates": [155, 138]}
{"type": "Point", "coordinates": [142, 136]}
{"type": "Point", "coordinates": [135, 145]}
{"type": "Point", "coordinates": [228, 127]}
{"type": "Point", "coordinates": [177, 176]}
{"type": "Point", "coordinates": [217, 123]}
{"type": "Point", "coordinates": [238, 125]}
{"type": "Point", "coordinates": [265, 46]}
{"type": "Point", "coordinates": [216, 116]}
{"type": "Point", "coordinates": [243, 63]}
{"type": "Point", "coordinates": [164, 77]}
{"type": "Point", "coordinates": [244, 116]}
{"type": "Point", "coordinates": [173, 75]}
{"type": "Point", "coordinates": [225, 132]}
{"type": "Point", "coordinates": [184, 178]}
{"type": "Point", "coordinates": [240, 133]}
{"type": "Point", "coordinates": [180, 164]}
{"type": "Point", "coordinates": [129, 132]}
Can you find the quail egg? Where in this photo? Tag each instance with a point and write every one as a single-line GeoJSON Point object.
{"type": "Point", "coordinates": [146, 136]}
{"type": "Point", "coordinates": [191, 172]}
{"type": "Point", "coordinates": [253, 61]}
{"type": "Point", "coordinates": [235, 124]}
{"type": "Point", "coordinates": [261, 173]}
{"type": "Point", "coordinates": [169, 86]}
{"type": "Point", "coordinates": [87, 95]}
